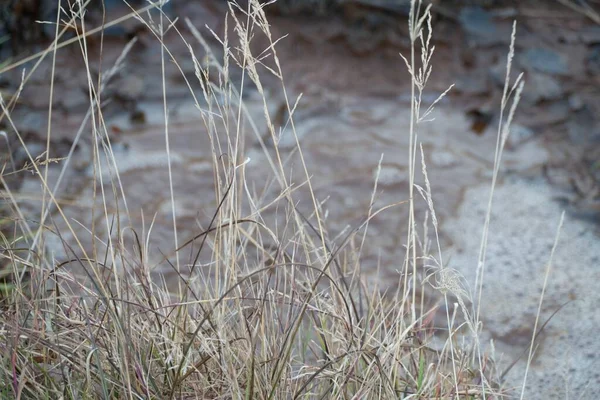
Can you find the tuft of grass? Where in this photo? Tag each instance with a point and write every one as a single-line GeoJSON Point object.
{"type": "Point", "coordinates": [275, 313]}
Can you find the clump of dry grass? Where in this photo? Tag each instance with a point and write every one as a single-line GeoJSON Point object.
{"type": "Point", "coordinates": [276, 315]}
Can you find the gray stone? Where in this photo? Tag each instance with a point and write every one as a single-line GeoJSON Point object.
{"type": "Point", "coordinates": [31, 121]}
{"type": "Point", "coordinates": [527, 158]}
{"type": "Point", "coordinates": [518, 135]}
{"type": "Point", "coordinates": [593, 60]}
{"type": "Point", "coordinates": [545, 60]}
{"type": "Point", "coordinates": [401, 7]}
{"type": "Point", "coordinates": [391, 175]}
{"type": "Point", "coordinates": [523, 225]}
{"type": "Point", "coordinates": [498, 73]}
{"type": "Point", "coordinates": [444, 158]}
{"type": "Point", "coordinates": [327, 7]}
{"type": "Point", "coordinates": [131, 87]}
{"type": "Point", "coordinates": [116, 31]}
{"type": "Point", "coordinates": [479, 25]}
{"type": "Point", "coordinates": [581, 127]}
{"type": "Point", "coordinates": [75, 101]}
{"type": "Point", "coordinates": [590, 34]}
{"type": "Point", "coordinates": [307, 7]}
{"type": "Point", "coordinates": [575, 102]}
{"type": "Point", "coordinates": [554, 113]}
{"type": "Point", "coordinates": [542, 87]}
{"type": "Point", "coordinates": [128, 90]}
{"type": "Point", "coordinates": [472, 84]}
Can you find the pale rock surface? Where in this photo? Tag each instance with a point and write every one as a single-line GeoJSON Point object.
{"type": "Point", "coordinates": [524, 223]}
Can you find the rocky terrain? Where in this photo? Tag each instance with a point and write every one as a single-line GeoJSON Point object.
{"type": "Point", "coordinates": [353, 116]}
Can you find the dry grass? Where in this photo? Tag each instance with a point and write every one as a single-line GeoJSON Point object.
{"type": "Point", "coordinates": [279, 313]}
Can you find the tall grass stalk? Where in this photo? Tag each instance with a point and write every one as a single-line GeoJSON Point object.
{"type": "Point", "coordinates": [539, 310]}
{"type": "Point", "coordinates": [510, 92]}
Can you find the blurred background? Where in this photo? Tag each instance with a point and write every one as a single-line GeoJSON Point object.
{"type": "Point", "coordinates": [558, 49]}
{"type": "Point", "coordinates": [343, 57]}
